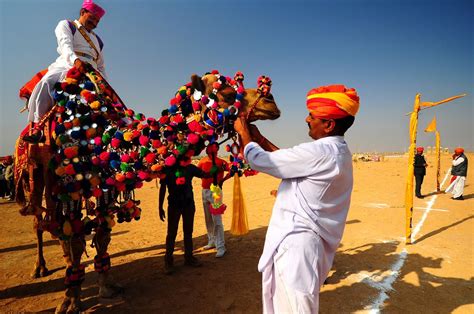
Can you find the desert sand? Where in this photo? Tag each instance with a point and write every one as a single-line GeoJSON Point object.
{"type": "Point", "coordinates": [373, 268]}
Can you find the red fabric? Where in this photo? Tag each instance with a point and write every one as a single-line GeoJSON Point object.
{"type": "Point", "coordinates": [205, 165]}
{"type": "Point", "coordinates": [452, 179]}
{"type": "Point", "coordinates": [27, 89]}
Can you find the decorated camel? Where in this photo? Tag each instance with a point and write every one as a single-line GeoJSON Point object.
{"type": "Point", "coordinates": [96, 152]}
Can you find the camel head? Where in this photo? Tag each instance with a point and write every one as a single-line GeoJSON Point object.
{"type": "Point", "coordinates": [255, 104]}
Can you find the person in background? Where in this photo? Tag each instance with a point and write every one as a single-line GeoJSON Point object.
{"type": "Point", "coordinates": [9, 174]}
{"type": "Point", "coordinates": [459, 173]}
{"type": "Point", "coordinates": [419, 171]}
{"type": "Point", "coordinates": [215, 167]}
{"type": "Point", "coordinates": [180, 203]}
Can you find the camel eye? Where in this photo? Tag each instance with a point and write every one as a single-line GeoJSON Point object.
{"type": "Point", "coordinates": [269, 97]}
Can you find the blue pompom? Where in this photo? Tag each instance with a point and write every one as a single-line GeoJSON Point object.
{"type": "Point", "coordinates": [226, 112]}
{"type": "Point", "coordinates": [115, 164]}
{"type": "Point", "coordinates": [119, 135]}
{"type": "Point", "coordinates": [173, 109]}
{"type": "Point", "coordinates": [89, 85]}
{"type": "Point", "coordinates": [76, 135]}
{"type": "Point", "coordinates": [59, 129]}
{"type": "Point", "coordinates": [114, 156]}
{"type": "Point", "coordinates": [239, 97]}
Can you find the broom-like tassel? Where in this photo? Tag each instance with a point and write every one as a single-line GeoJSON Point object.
{"type": "Point", "coordinates": [240, 224]}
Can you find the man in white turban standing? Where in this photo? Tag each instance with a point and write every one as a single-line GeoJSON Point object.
{"type": "Point", "coordinates": [312, 203]}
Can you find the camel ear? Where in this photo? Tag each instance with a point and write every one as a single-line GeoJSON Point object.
{"type": "Point", "coordinates": [197, 83]}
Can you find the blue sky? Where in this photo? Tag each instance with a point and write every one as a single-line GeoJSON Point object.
{"type": "Point", "coordinates": [387, 50]}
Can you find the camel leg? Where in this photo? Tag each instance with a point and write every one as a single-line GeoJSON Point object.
{"type": "Point", "coordinates": [107, 287]}
{"type": "Point", "coordinates": [40, 269]}
{"type": "Point", "coordinates": [75, 274]}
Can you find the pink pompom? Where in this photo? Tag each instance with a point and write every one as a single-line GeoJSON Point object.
{"type": "Point", "coordinates": [240, 89]}
{"type": "Point", "coordinates": [95, 160]}
{"type": "Point", "coordinates": [194, 126]}
{"type": "Point", "coordinates": [110, 181]}
{"type": "Point", "coordinates": [115, 143]}
{"type": "Point", "coordinates": [193, 138]}
{"type": "Point", "coordinates": [98, 140]}
{"type": "Point", "coordinates": [125, 158]}
{"type": "Point", "coordinates": [104, 156]}
{"type": "Point", "coordinates": [143, 140]}
{"type": "Point", "coordinates": [196, 106]}
{"type": "Point", "coordinates": [210, 132]}
{"type": "Point", "coordinates": [150, 158]}
{"type": "Point", "coordinates": [155, 143]}
{"type": "Point", "coordinates": [237, 104]}
{"type": "Point", "coordinates": [142, 175]}
{"type": "Point", "coordinates": [170, 161]}
{"type": "Point", "coordinates": [138, 184]}
{"type": "Point", "coordinates": [130, 175]}
{"type": "Point", "coordinates": [134, 155]}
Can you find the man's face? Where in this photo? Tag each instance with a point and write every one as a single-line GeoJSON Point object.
{"type": "Point", "coordinates": [319, 128]}
{"type": "Point", "coordinates": [89, 20]}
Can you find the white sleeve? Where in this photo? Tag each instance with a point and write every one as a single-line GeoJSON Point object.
{"type": "Point", "coordinates": [65, 40]}
{"type": "Point", "coordinates": [458, 161]}
{"type": "Point", "coordinates": [295, 162]}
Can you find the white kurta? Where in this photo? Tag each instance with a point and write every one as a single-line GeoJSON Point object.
{"type": "Point", "coordinates": [309, 214]}
{"type": "Point", "coordinates": [68, 44]}
{"type": "Point", "coordinates": [457, 186]}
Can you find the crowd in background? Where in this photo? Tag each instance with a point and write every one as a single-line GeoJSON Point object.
{"type": "Point", "coordinates": [7, 187]}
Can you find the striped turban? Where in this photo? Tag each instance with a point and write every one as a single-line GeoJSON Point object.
{"type": "Point", "coordinates": [332, 102]}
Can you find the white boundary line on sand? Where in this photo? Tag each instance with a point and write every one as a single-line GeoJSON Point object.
{"type": "Point", "coordinates": [385, 285]}
{"type": "Point", "coordinates": [427, 211]}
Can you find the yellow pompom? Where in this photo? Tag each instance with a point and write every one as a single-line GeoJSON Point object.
{"type": "Point", "coordinates": [95, 105]}
{"type": "Point", "coordinates": [128, 136]}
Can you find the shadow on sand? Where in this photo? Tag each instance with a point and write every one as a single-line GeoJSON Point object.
{"type": "Point", "coordinates": [233, 284]}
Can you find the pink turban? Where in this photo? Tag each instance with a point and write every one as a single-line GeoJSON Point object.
{"type": "Point", "coordinates": [93, 8]}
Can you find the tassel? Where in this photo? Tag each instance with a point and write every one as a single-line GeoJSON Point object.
{"type": "Point", "coordinates": [239, 216]}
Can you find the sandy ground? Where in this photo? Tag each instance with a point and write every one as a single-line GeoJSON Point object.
{"type": "Point", "coordinates": [373, 268]}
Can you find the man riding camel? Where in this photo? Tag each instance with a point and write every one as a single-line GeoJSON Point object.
{"type": "Point", "coordinates": [78, 45]}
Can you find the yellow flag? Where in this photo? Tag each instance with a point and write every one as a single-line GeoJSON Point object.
{"type": "Point", "coordinates": [426, 104]}
{"type": "Point", "coordinates": [432, 126]}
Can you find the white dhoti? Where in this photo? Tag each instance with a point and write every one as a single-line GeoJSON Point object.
{"type": "Point", "coordinates": [457, 186]}
{"type": "Point", "coordinates": [214, 225]}
{"type": "Point", "coordinates": [292, 282]}
{"type": "Point", "coordinates": [41, 99]}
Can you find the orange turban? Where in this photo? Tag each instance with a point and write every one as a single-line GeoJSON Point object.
{"type": "Point", "coordinates": [459, 150]}
{"type": "Point", "coordinates": [332, 102]}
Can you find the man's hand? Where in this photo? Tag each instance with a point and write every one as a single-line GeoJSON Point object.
{"type": "Point", "coordinates": [162, 214]}
{"type": "Point", "coordinates": [80, 65]}
{"type": "Point", "coordinates": [241, 127]}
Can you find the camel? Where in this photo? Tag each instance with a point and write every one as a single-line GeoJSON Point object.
{"type": "Point", "coordinates": [34, 177]}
